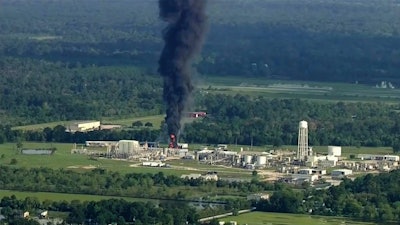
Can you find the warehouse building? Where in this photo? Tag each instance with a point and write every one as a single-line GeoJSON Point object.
{"type": "Point", "coordinates": [341, 173]}
{"type": "Point", "coordinates": [83, 126]}
{"type": "Point", "coordinates": [378, 157]}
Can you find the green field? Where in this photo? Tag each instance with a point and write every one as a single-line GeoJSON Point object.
{"type": "Point", "coordinates": [62, 158]}
{"type": "Point", "coordinates": [318, 91]}
{"type": "Point", "coordinates": [266, 218]}
{"type": "Point", "coordinates": [155, 120]}
{"type": "Point", "coordinates": [42, 196]}
{"type": "Point", "coordinates": [125, 122]}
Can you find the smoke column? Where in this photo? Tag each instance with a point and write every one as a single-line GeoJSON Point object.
{"type": "Point", "coordinates": [183, 38]}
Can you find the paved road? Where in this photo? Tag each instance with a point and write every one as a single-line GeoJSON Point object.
{"type": "Point", "coordinates": [225, 215]}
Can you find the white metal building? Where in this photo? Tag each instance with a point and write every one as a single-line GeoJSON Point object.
{"type": "Point", "coordinates": [335, 151]}
{"type": "Point", "coordinates": [341, 173]}
{"type": "Point", "coordinates": [378, 157]}
{"type": "Point", "coordinates": [305, 171]}
{"type": "Point", "coordinates": [83, 126]}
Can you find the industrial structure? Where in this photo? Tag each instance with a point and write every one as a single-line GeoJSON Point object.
{"type": "Point", "coordinates": [302, 147]}
{"type": "Point", "coordinates": [131, 150]}
{"type": "Point", "coordinates": [83, 126]}
{"type": "Point", "coordinates": [292, 166]}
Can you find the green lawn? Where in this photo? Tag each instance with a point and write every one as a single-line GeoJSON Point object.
{"type": "Point", "coordinates": [62, 158]}
{"type": "Point", "coordinates": [318, 91]}
{"type": "Point", "coordinates": [155, 120]}
{"type": "Point", "coordinates": [125, 122]}
{"type": "Point", "coordinates": [266, 218]}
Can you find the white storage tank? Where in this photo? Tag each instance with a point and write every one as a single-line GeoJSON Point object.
{"type": "Point", "coordinates": [303, 124]}
{"type": "Point", "coordinates": [335, 151]}
{"type": "Point", "coordinates": [261, 160]}
{"type": "Point", "coordinates": [128, 146]}
{"type": "Point", "coordinates": [248, 159]}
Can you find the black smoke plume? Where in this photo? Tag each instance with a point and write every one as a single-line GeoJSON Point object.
{"type": "Point", "coordinates": [183, 38]}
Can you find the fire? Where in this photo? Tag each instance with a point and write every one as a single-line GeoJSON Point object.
{"type": "Point", "coordinates": [172, 143]}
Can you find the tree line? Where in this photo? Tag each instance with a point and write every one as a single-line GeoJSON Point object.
{"type": "Point", "coordinates": [370, 198]}
{"type": "Point", "coordinates": [102, 182]}
{"type": "Point", "coordinates": [112, 211]}
{"type": "Point", "coordinates": [259, 121]}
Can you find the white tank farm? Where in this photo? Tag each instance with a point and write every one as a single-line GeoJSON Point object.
{"type": "Point", "coordinates": [248, 159]}
{"type": "Point", "coordinates": [261, 160]}
{"type": "Point", "coordinates": [303, 124]}
{"type": "Point", "coordinates": [335, 150]}
{"type": "Point", "coordinates": [128, 146]}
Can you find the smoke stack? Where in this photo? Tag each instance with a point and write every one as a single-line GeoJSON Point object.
{"type": "Point", "coordinates": [183, 38]}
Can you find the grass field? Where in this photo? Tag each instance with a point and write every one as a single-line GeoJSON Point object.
{"type": "Point", "coordinates": [318, 91]}
{"type": "Point", "coordinates": [42, 196]}
{"type": "Point", "coordinates": [265, 218]}
{"type": "Point", "coordinates": [155, 120]}
{"type": "Point", "coordinates": [62, 158]}
{"type": "Point", "coordinates": [125, 122]}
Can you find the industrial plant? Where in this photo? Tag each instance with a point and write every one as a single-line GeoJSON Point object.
{"type": "Point", "coordinates": [303, 165]}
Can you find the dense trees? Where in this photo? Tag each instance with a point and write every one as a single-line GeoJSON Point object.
{"type": "Point", "coordinates": [248, 120]}
{"type": "Point", "coordinates": [243, 119]}
{"type": "Point", "coordinates": [82, 60]}
{"type": "Point", "coordinates": [304, 39]}
{"type": "Point", "coordinates": [369, 197]}
{"type": "Point", "coordinates": [37, 91]}
{"type": "Point", "coordinates": [102, 212]}
{"type": "Point", "coordinates": [101, 182]}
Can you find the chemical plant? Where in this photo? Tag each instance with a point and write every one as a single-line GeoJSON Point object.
{"type": "Point", "coordinates": [275, 164]}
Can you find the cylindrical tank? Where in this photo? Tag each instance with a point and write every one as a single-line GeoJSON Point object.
{"type": "Point", "coordinates": [128, 146]}
{"type": "Point", "coordinates": [248, 158]}
{"type": "Point", "coordinates": [335, 150]}
{"type": "Point", "coordinates": [261, 160]}
{"type": "Point", "coordinates": [303, 124]}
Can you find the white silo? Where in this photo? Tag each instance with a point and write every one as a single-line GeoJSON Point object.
{"type": "Point", "coordinates": [248, 159]}
{"type": "Point", "coordinates": [261, 160]}
{"type": "Point", "coordinates": [302, 147]}
{"type": "Point", "coordinates": [335, 151]}
{"type": "Point", "coordinates": [128, 146]}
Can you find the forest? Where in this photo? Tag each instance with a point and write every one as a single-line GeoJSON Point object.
{"type": "Point", "coordinates": [341, 40]}
{"type": "Point", "coordinates": [107, 183]}
{"type": "Point", "coordinates": [370, 198]}
{"type": "Point", "coordinates": [258, 121]}
{"type": "Point", "coordinates": [65, 60]}
{"type": "Point", "coordinates": [102, 212]}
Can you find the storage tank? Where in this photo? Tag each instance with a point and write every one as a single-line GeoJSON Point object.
{"type": "Point", "coordinates": [261, 160]}
{"type": "Point", "coordinates": [303, 124]}
{"type": "Point", "coordinates": [248, 159]}
{"type": "Point", "coordinates": [128, 146]}
{"type": "Point", "coordinates": [335, 150]}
